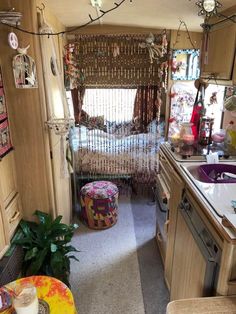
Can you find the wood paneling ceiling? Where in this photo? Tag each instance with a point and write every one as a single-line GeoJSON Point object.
{"type": "Point", "coordinates": [138, 13]}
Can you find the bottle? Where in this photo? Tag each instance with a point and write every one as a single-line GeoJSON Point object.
{"type": "Point", "coordinates": [230, 138]}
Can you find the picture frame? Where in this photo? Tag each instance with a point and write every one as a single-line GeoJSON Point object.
{"type": "Point", "coordinates": [185, 64]}
{"type": "Point", "coordinates": [5, 139]}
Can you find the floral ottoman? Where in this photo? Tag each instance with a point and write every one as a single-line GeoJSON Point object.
{"type": "Point", "coordinates": [99, 204]}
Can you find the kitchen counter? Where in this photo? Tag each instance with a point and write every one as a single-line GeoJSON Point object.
{"type": "Point", "coordinates": [215, 198]}
{"type": "Point", "coordinates": [213, 305]}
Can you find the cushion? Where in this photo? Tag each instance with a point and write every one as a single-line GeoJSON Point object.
{"type": "Point", "coordinates": [99, 189]}
{"type": "Point", "coordinates": [94, 122]}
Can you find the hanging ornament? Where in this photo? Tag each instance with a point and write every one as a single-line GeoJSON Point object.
{"type": "Point", "coordinates": [13, 40]}
{"type": "Point", "coordinates": [208, 7]}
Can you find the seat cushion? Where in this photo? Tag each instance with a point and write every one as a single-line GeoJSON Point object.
{"type": "Point", "coordinates": [99, 190]}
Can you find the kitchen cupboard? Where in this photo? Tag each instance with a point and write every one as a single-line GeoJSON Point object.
{"type": "Point", "coordinates": [199, 253]}
{"type": "Point", "coordinates": [188, 266]}
{"type": "Point", "coordinates": [169, 190]}
{"type": "Point", "coordinates": [221, 52]}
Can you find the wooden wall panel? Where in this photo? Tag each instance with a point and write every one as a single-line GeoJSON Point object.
{"type": "Point", "coordinates": [26, 115]}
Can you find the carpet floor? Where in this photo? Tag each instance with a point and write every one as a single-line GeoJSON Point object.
{"type": "Point", "coordinates": [120, 268]}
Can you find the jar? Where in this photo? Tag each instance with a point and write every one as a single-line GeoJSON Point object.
{"type": "Point", "coordinates": [25, 299]}
{"type": "Point", "coordinates": [205, 130]}
{"type": "Point", "coordinates": [186, 134]}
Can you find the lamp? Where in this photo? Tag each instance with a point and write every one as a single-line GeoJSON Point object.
{"type": "Point", "coordinates": [208, 7]}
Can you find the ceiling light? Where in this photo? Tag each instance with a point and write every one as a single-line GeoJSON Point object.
{"type": "Point", "coordinates": [208, 7]}
{"type": "Point", "coordinates": [96, 3]}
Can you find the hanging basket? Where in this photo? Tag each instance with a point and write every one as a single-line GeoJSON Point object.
{"type": "Point", "coordinates": [60, 126]}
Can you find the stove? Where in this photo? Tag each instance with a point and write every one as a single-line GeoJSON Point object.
{"type": "Point", "coordinates": [198, 152]}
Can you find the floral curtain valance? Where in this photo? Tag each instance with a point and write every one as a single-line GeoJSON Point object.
{"type": "Point", "coordinates": [116, 60]}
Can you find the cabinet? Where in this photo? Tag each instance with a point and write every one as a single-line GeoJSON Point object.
{"type": "Point", "coordinates": [221, 52]}
{"type": "Point", "coordinates": [189, 266]}
{"type": "Point", "coordinates": [197, 253]}
{"type": "Point", "coordinates": [10, 204]}
{"type": "Point", "coordinates": [169, 191]}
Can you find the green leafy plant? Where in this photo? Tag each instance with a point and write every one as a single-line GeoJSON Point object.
{"type": "Point", "coordinates": [47, 247]}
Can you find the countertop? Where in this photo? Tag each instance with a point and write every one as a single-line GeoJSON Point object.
{"type": "Point", "coordinates": [212, 305]}
{"type": "Point", "coordinates": [215, 198]}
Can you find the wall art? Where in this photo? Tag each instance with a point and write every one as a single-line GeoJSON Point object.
{"type": "Point", "coordinates": [185, 64]}
{"type": "Point", "coordinates": [5, 139]}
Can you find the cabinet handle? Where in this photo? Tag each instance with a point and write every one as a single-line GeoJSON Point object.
{"type": "Point", "coordinates": [166, 225]}
{"type": "Point", "coordinates": [16, 215]}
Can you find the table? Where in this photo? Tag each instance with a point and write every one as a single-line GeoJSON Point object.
{"type": "Point", "coordinates": [53, 291]}
{"type": "Point", "coordinates": [210, 305]}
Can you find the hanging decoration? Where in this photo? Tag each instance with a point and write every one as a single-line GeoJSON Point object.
{"type": "Point", "coordinates": [156, 51]}
{"type": "Point", "coordinates": [13, 40]}
{"type": "Point", "coordinates": [12, 19]}
{"type": "Point", "coordinates": [60, 125]}
{"type": "Point", "coordinates": [208, 7]}
{"type": "Point", "coordinates": [185, 64]}
{"type": "Point", "coordinates": [114, 59]}
{"type": "Point", "coordinates": [24, 69]}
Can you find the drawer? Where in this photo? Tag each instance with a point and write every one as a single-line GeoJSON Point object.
{"type": "Point", "coordinates": [13, 214]}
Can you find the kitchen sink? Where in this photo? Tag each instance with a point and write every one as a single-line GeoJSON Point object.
{"type": "Point", "coordinates": [213, 173]}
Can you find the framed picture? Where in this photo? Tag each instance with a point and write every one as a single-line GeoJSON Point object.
{"type": "Point", "coordinates": [5, 140]}
{"type": "Point", "coordinates": [3, 109]}
{"type": "Point", "coordinates": [185, 64]}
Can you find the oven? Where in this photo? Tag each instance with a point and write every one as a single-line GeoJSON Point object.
{"type": "Point", "coordinates": [195, 269]}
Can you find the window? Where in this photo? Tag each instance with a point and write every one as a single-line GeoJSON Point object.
{"type": "Point", "coordinates": [115, 104]}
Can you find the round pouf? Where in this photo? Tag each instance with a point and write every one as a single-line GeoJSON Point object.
{"type": "Point", "coordinates": [99, 204]}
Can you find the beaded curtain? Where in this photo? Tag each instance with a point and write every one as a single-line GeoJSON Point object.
{"type": "Point", "coordinates": [120, 81]}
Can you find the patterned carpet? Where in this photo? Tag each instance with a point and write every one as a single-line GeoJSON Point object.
{"type": "Point", "coordinates": [120, 269]}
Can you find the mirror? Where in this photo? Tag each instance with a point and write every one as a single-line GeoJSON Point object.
{"type": "Point", "coordinates": [185, 64]}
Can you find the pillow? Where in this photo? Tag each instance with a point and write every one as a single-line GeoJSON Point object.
{"type": "Point", "coordinates": [124, 129]}
{"type": "Point", "coordinates": [94, 123]}
{"type": "Point", "coordinates": [111, 126]}
{"type": "Point", "coordinates": [153, 127]}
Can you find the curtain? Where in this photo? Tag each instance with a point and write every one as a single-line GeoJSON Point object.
{"type": "Point", "coordinates": [147, 105]}
{"type": "Point", "coordinates": [77, 95]}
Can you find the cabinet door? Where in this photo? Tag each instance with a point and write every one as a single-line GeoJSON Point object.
{"type": "Point", "coordinates": [3, 241]}
{"type": "Point", "coordinates": [177, 186]}
{"type": "Point", "coordinates": [220, 53]}
{"type": "Point", "coordinates": [8, 178]}
{"type": "Point", "coordinates": [189, 265]}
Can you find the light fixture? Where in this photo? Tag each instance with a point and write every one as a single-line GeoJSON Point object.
{"type": "Point", "coordinates": [208, 7]}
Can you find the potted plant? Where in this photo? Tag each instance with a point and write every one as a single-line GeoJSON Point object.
{"type": "Point", "coordinates": [47, 248]}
